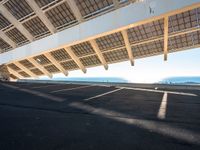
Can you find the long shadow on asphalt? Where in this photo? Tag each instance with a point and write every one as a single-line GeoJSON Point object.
{"type": "Point", "coordinates": [32, 122]}
{"type": "Point", "coordinates": [12, 97]}
{"type": "Point", "coordinates": [33, 129]}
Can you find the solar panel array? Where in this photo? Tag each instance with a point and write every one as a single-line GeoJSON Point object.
{"type": "Point", "coordinates": [145, 39]}
{"type": "Point", "coordinates": [58, 12]}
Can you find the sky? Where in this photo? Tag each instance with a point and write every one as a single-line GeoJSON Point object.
{"type": "Point", "coordinates": [147, 70]}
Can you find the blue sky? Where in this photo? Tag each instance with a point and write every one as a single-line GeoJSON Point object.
{"type": "Point", "coordinates": [148, 70]}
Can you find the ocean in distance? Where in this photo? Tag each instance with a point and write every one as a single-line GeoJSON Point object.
{"type": "Point", "coordinates": [181, 80]}
{"type": "Point", "coordinates": [169, 80]}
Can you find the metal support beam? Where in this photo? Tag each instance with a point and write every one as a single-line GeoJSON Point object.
{"type": "Point", "coordinates": [57, 64]}
{"type": "Point", "coordinates": [128, 46]}
{"type": "Point", "coordinates": [41, 15]}
{"type": "Point", "coordinates": [7, 39]}
{"type": "Point", "coordinates": [166, 29]}
{"type": "Point", "coordinates": [25, 69]}
{"type": "Point", "coordinates": [40, 67]}
{"type": "Point", "coordinates": [99, 53]}
{"type": "Point", "coordinates": [15, 22]}
{"type": "Point", "coordinates": [76, 59]}
{"type": "Point", "coordinates": [75, 10]}
{"type": "Point", "coordinates": [11, 71]}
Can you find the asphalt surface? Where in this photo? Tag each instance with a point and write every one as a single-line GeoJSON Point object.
{"type": "Point", "coordinates": [35, 117]}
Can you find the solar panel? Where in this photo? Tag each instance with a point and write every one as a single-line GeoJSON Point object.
{"type": "Point", "coordinates": [110, 41]}
{"type": "Point", "coordinates": [4, 46]}
{"type": "Point", "coordinates": [90, 61]}
{"type": "Point", "coordinates": [15, 35]}
{"type": "Point", "coordinates": [13, 76]}
{"type": "Point", "coordinates": [89, 8]}
{"type": "Point", "coordinates": [146, 31]}
{"type": "Point", "coordinates": [196, 37]}
{"type": "Point", "coordinates": [37, 72]}
{"type": "Point", "coordinates": [115, 56]}
{"type": "Point", "coordinates": [14, 67]}
{"type": "Point", "coordinates": [147, 49]}
{"type": "Point", "coordinates": [60, 55]}
{"type": "Point", "coordinates": [3, 22]}
{"type": "Point", "coordinates": [42, 3]}
{"type": "Point", "coordinates": [61, 15]}
{"type": "Point", "coordinates": [82, 49]}
{"type": "Point", "coordinates": [24, 74]}
{"type": "Point", "coordinates": [182, 41]}
{"type": "Point", "coordinates": [183, 21]}
{"type": "Point", "coordinates": [42, 60]}
{"type": "Point", "coordinates": [51, 69]}
{"type": "Point", "coordinates": [26, 63]}
{"type": "Point", "coordinates": [18, 8]}
{"type": "Point", "coordinates": [36, 27]}
{"type": "Point", "coordinates": [69, 65]}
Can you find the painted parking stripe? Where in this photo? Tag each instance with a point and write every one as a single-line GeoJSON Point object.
{"type": "Point", "coordinates": [47, 96]}
{"type": "Point", "coordinates": [44, 86]}
{"type": "Point", "coordinates": [160, 91]}
{"type": "Point", "coordinates": [149, 125]}
{"type": "Point", "coordinates": [163, 107]}
{"type": "Point", "coordinates": [69, 89]}
{"type": "Point", "coordinates": [100, 95]}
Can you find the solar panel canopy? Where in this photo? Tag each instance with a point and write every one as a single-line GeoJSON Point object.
{"type": "Point", "coordinates": [25, 21]}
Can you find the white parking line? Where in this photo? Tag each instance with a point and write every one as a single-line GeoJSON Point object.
{"type": "Point", "coordinates": [69, 89]}
{"type": "Point", "coordinates": [47, 96]}
{"type": "Point", "coordinates": [160, 91]}
{"type": "Point", "coordinates": [100, 95]}
{"type": "Point", "coordinates": [163, 107]}
{"type": "Point", "coordinates": [104, 85]}
{"type": "Point", "coordinates": [149, 125]}
{"type": "Point", "coordinates": [43, 86]}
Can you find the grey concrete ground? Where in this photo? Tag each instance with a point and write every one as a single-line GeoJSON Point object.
{"type": "Point", "coordinates": [37, 116]}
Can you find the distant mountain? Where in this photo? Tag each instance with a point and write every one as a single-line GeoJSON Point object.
{"type": "Point", "coordinates": [181, 80]}
{"type": "Point", "coordinates": [94, 79]}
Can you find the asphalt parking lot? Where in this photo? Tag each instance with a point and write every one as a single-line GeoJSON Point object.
{"type": "Point", "coordinates": [38, 116]}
